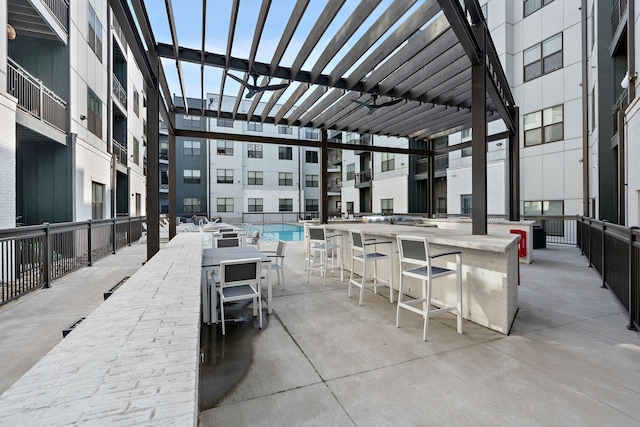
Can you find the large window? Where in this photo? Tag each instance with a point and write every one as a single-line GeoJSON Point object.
{"type": "Point", "coordinates": [351, 171]}
{"type": "Point", "coordinates": [256, 205]}
{"type": "Point", "coordinates": [544, 207]}
{"type": "Point", "coordinates": [254, 178]}
{"type": "Point", "coordinates": [225, 148]}
{"type": "Point", "coordinates": [388, 161]}
{"type": "Point", "coordinates": [544, 126]}
{"type": "Point", "coordinates": [531, 6]}
{"type": "Point", "coordinates": [311, 205]}
{"type": "Point", "coordinates": [311, 156]}
{"type": "Point", "coordinates": [164, 178]}
{"type": "Point", "coordinates": [192, 148]}
{"type": "Point", "coordinates": [136, 151]}
{"type": "Point", "coordinates": [191, 176]}
{"type": "Point", "coordinates": [386, 205]}
{"type": "Point", "coordinates": [94, 113]}
{"type": "Point", "coordinates": [191, 205]}
{"type": "Point", "coordinates": [224, 204]}
{"type": "Point", "coordinates": [285, 178]}
{"type": "Point", "coordinates": [225, 176]}
{"type": "Point", "coordinates": [191, 121]}
{"type": "Point", "coordinates": [254, 151]}
{"type": "Point", "coordinates": [255, 127]}
{"type": "Point", "coordinates": [466, 152]}
{"type": "Point", "coordinates": [543, 58]}
{"type": "Point", "coordinates": [285, 205]}
{"type": "Point", "coordinates": [311, 133]}
{"type": "Point", "coordinates": [136, 102]}
{"type": "Point", "coordinates": [224, 123]}
{"type": "Point", "coordinates": [285, 153]}
{"type": "Point", "coordinates": [95, 33]}
{"type": "Point", "coordinates": [465, 204]}
{"type": "Point", "coordinates": [285, 130]}
{"type": "Point", "coordinates": [350, 207]}
{"type": "Point", "coordinates": [311, 180]}
{"type": "Point", "coordinates": [97, 200]}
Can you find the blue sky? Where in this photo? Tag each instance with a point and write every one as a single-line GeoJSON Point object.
{"type": "Point", "coordinates": [188, 19]}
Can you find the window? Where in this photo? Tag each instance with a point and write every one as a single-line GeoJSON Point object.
{"type": "Point", "coordinates": [485, 12]}
{"type": "Point", "coordinates": [442, 142]}
{"type": "Point", "coordinates": [94, 116]}
{"type": "Point", "coordinates": [311, 180]}
{"type": "Point", "coordinates": [254, 177]}
{"type": "Point", "coordinates": [136, 151]}
{"type": "Point", "coordinates": [465, 204]}
{"type": "Point", "coordinates": [552, 226]}
{"type": "Point", "coordinates": [164, 150]}
{"type": "Point", "coordinates": [386, 205]}
{"type": "Point", "coordinates": [285, 205]}
{"type": "Point", "coordinates": [388, 162]}
{"type": "Point", "coordinates": [253, 126]}
{"type": "Point", "coordinates": [191, 121]}
{"type": "Point", "coordinates": [465, 135]}
{"type": "Point", "coordinates": [224, 204]}
{"type": "Point", "coordinates": [544, 126]}
{"type": "Point", "coordinates": [95, 33]}
{"type": "Point", "coordinates": [191, 204]}
{"type": "Point", "coordinates": [531, 6]}
{"type": "Point", "coordinates": [467, 152]}
{"type": "Point", "coordinates": [192, 148]}
{"type": "Point", "coordinates": [224, 123]}
{"type": "Point", "coordinates": [311, 156]}
{"type": "Point", "coordinates": [191, 176]}
{"type": "Point", "coordinates": [285, 178]}
{"type": "Point", "coordinates": [285, 130]}
{"type": "Point", "coordinates": [225, 176]}
{"type": "Point", "coordinates": [256, 205]}
{"type": "Point", "coordinates": [138, 204]}
{"type": "Point", "coordinates": [97, 200]}
{"type": "Point", "coordinates": [543, 58]}
{"type": "Point", "coordinates": [311, 205]}
{"type": "Point", "coordinates": [225, 148]}
{"type": "Point", "coordinates": [136, 102]}
{"type": "Point", "coordinates": [164, 177]}
{"type": "Point", "coordinates": [285, 153]}
{"type": "Point", "coordinates": [311, 133]}
{"type": "Point", "coordinates": [254, 151]}
{"type": "Point", "coordinates": [350, 207]}
{"type": "Point", "coordinates": [351, 171]}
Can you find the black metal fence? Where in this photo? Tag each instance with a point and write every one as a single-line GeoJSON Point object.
{"type": "Point", "coordinates": [34, 256]}
{"type": "Point", "coordinates": [614, 251]}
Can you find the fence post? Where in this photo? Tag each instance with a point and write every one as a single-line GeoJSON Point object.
{"type": "Point", "coordinates": [46, 262]}
{"type": "Point", "coordinates": [89, 250]}
{"type": "Point", "coordinates": [631, 326]}
{"type": "Point", "coordinates": [129, 234]}
{"type": "Point", "coordinates": [602, 252]}
{"type": "Point", "coordinates": [589, 237]}
{"type": "Point", "coordinates": [114, 236]}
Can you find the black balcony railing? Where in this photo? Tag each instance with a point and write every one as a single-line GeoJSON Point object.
{"type": "Point", "coordinates": [441, 162]}
{"type": "Point", "coordinates": [422, 166]}
{"type": "Point", "coordinates": [120, 152]}
{"type": "Point", "coordinates": [363, 177]}
{"type": "Point", "coordinates": [119, 92]}
{"type": "Point", "coordinates": [619, 9]}
{"type": "Point", "coordinates": [33, 257]}
{"type": "Point", "coordinates": [59, 9]}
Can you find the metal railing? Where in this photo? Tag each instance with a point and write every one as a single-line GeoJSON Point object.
{"type": "Point", "coordinates": [35, 98]}
{"type": "Point", "coordinates": [422, 166]}
{"type": "Point", "coordinates": [32, 257]}
{"type": "Point", "coordinates": [59, 9]}
{"type": "Point", "coordinates": [119, 92]}
{"type": "Point", "coordinates": [120, 152]}
{"type": "Point", "coordinates": [275, 217]}
{"type": "Point", "coordinates": [363, 177]}
{"type": "Point", "coordinates": [614, 251]}
{"type": "Point", "coordinates": [616, 16]}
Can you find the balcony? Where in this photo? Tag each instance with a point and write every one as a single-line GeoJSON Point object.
{"type": "Point", "coordinates": [335, 158]}
{"type": "Point", "coordinates": [363, 179]}
{"type": "Point", "coordinates": [35, 98]}
{"type": "Point", "coordinates": [119, 92]}
{"type": "Point", "coordinates": [40, 18]}
{"type": "Point", "coordinates": [441, 163]}
{"type": "Point", "coordinates": [120, 152]}
{"type": "Point", "coordinates": [422, 169]}
{"type": "Point", "coordinates": [618, 15]}
{"type": "Point", "coordinates": [335, 187]}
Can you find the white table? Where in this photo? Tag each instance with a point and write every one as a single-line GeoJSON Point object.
{"type": "Point", "coordinates": [211, 260]}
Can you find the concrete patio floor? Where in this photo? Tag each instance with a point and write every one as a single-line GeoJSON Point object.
{"type": "Point", "coordinates": [323, 360]}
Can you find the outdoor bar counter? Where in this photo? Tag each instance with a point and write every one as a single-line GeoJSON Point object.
{"type": "Point", "coordinates": [489, 268]}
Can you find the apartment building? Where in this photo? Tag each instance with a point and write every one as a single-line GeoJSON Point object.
{"type": "Point", "coordinates": [73, 115]}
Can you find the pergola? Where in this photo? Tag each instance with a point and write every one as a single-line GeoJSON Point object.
{"type": "Point", "coordinates": [429, 67]}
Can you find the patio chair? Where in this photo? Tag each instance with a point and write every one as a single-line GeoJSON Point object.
{"type": "Point", "coordinates": [227, 243]}
{"type": "Point", "coordinates": [366, 251]}
{"type": "Point", "coordinates": [415, 252]}
{"type": "Point", "coordinates": [239, 280]}
{"type": "Point", "coordinates": [322, 251]}
{"type": "Point", "coordinates": [278, 259]}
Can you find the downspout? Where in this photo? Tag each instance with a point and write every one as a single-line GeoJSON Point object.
{"type": "Point", "coordinates": [585, 111]}
{"type": "Point", "coordinates": [109, 113]}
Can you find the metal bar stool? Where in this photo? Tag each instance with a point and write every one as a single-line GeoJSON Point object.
{"type": "Point", "coordinates": [365, 251]}
{"type": "Point", "coordinates": [320, 249]}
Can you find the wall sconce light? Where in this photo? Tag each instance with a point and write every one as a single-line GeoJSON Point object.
{"type": "Point", "coordinates": [627, 79]}
{"type": "Point", "coordinates": [11, 32]}
{"type": "Point", "coordinates": [83, 117]}
{"type": "Point", "coordinates": [499, 144]}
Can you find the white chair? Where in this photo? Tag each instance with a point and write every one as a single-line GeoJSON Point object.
{"type": "Point", "coordinates": [227, 243]}
{"type": "Point", "coordinates": [239, 280]}
{"type": "Point", "coordinates": [415, 252]}
{"type": "Point", "coordinates": [322, 251]}
{"type": "Point", "coordinates": [366, 251]}
{"type": "Point", "coordinates": [278, 259]}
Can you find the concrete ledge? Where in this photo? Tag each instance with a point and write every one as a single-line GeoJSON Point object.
{"type": "Point", "coordinates": [133, 361]}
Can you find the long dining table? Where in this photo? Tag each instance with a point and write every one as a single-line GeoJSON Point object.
{"type": "Point", "coordinates": [211, 260]}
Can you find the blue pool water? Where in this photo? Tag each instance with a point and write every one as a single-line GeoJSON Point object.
{"type": "Point", "coordinates": [286, 232]}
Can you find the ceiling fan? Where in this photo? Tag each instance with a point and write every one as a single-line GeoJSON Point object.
{"type": "Point", "coordinates": [254, 88]}
{"type": "Point", "coordinates": [373, 106]}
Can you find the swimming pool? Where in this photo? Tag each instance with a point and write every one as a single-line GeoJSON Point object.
{"type": "Point", "coordinates": [286, 232]}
